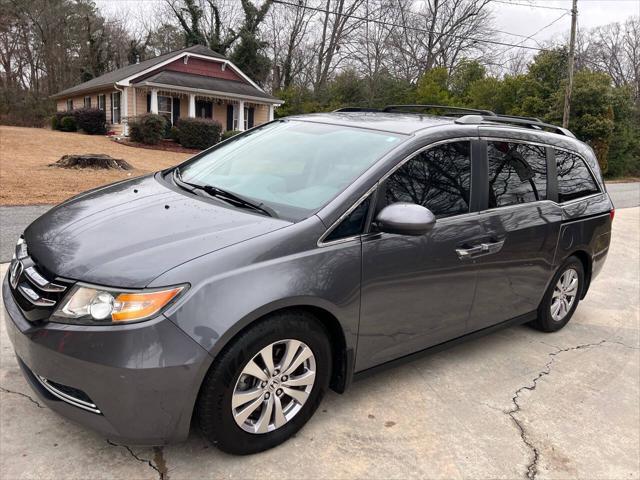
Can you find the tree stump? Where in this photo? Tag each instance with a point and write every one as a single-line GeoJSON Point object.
{"type": "Point", "coordinates": [92, 160]}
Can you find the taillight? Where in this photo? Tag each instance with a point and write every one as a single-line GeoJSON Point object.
{"type": "Point", "coordinates": [612, 213]}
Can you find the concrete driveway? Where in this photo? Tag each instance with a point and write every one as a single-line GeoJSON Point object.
{"type": "Point", "coordinates": [516, 404]}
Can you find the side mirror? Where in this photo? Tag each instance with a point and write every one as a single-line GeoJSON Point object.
{"type": "Point", "coordinates": [405, 219]}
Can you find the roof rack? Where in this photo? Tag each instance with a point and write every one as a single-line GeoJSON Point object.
{"type": "Point", "coordinates": [468, 116]}
{"type": "Point", "coordinates": [528, 122]}
{"type": "Point", "coordinates": [445, 108]}
{"type": "Point", "coordinates": [356, 109]}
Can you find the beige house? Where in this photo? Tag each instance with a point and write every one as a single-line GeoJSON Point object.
{"type": "Point", "coordinates": [192, 82]}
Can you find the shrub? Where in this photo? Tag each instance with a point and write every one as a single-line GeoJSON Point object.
{"type": "Point", "coordinates": [229, 134]}
{"type": "Point", "coordinates": [54, 123]}
{"type": "Point", "coordinates": [91, 120]}
{"type": "Point", "coordinates": [198, 132]}
{"type": "Point", "coordinates": [174, 134]}
{"type": "Point", "coordinates": [68, 124]}
{"type": "Point", "coordinates": [59, 116]}
{"type": "Point", "coordinates": [148, 128]}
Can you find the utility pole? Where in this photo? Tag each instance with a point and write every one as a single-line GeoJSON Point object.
{"type": "Point", "coordinates": [572, 48]}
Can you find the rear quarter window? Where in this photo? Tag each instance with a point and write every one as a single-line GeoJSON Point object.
{"type": "Point", "coordinates": [574, 178]}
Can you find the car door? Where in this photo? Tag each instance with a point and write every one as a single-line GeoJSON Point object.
{"type": "Point", "coordinates": [416, 292]}
{"type": "Point", "coordinates": [521, 224]}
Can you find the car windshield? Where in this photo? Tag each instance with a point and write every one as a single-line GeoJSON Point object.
{"type": "Point", "coordinates": [293, 167]}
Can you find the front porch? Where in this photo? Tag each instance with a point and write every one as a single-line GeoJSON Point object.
{"type": "Point", "coordinates": [231, 111]}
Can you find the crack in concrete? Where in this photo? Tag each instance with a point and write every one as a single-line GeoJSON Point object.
{"type": "Point", "coordinates": [160, 465]}
{"type": "Point", "coordinates": [6, 390]}
{"type": "Point", "coordinates": [532, 467]}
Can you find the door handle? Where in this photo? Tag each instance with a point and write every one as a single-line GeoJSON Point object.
{"type": "Point", "coordinates": [485, 248]}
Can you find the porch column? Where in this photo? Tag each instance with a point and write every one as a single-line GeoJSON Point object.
{"type": "Point", "coordinates": [270, 113]}
{"type": "Point", "coordinates": [125, 112]}
{"type": "Point", "coordinates": [240, 107]}
{"type": "Point", "coordinates": [154, 100]}
{"type": "Point", "coordinates": [192, 105]}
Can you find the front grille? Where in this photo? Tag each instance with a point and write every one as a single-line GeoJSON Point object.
{"type": "Point", "coordinates": [34, 291]}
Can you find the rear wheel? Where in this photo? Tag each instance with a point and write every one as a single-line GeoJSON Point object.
{"type": "Point", "coordinates": [562, 296]}
{"type": "Point", "coordinates": [266, 384]}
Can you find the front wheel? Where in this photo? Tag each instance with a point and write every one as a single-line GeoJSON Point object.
{"type": "Point", "coordinates": [266, 384]}
{"type": "Point", "coordinates": [562, 296]}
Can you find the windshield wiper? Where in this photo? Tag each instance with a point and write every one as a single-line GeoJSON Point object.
{"type": "Point", "coordinates": [227, 196]}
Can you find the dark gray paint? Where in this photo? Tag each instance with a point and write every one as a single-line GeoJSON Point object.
{"type": "Point", "coordinates": [391, 295]}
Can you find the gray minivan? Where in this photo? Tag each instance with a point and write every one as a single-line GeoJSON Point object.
{"type": "Point", "coordinates": [237, 287]}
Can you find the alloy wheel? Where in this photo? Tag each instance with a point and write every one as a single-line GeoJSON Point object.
{"type": "Point", "coordinates": [564, 294]}
{"type": "Point", "coordinates": [273, 386]}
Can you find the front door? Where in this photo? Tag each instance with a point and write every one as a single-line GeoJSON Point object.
{"type": "Point", "coordinates": [521, 226]}
{"type": "Point", "coordinates": [416, 291]}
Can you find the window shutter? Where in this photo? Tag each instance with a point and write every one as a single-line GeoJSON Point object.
{"type": "Point", "coordinates": [176, 110]}
{"type": "Point", "coordinates": [251, 115]}
{"type": "Point", "coordinates": [148, 102]}
{"type": "Point", "coordinates": [229, 117]}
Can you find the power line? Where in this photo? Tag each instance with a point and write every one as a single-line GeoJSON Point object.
{"type": "Point", "coordinates": [416, 29]}
{"type": "Point", "coordinates": [517, 4]}
{"type": "Point", "coordinates": [530, 37]}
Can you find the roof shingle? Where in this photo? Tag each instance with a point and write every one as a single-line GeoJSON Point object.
{"type": "Point", "coordinates": [120, 74]}
{"type": "Point", "coordinates": [200, 82]}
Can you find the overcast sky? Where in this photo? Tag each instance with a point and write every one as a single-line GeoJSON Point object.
{"type": "Point", "coordinates": [527, 20]}
{"type": "Point", "coordinates": [522, 17]}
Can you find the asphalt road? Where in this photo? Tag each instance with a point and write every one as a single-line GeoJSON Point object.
{"type": "Point", "coordinates": [13, 220]}
{"type": "Point", "coordinates": [515, 404]}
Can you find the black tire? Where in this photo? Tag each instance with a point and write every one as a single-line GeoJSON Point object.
{"type": "Point", "coordinates": [545, 321]}
{"type": "Point", "coordinates": [214, 407]}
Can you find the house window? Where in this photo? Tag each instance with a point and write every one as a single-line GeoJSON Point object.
{"type": "Point", "coordinates": [69, 105]}
{"type": "Point", "coordinates": [246, 118]}
{"type": "Point", "coordinates": [87, 102]}
{"type": "Point", "coordinates": [165, 108]}
{"type": "Point", "coordinates": [101, 102]}
{"type": "Point", "coordinates": [115, 107]}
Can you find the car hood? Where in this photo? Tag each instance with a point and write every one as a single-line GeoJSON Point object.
{"type": "Point", "coordinates": [128, 233]}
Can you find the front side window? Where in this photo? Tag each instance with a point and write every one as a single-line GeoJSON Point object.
{"type": "Point", "coordinates": [87, 102]}
{"type": "Point", "coordinates": [69, 105]}
{"type": "Point", "coordinates": [438, 178]}
{"type": "Point", "coordinates": [293, 167]}
{"type": "Point", "coordinates": [101, 102]}
{"type": "Point", "coordinates": [353, 224]}
{"type": "Point", "coordinates": [115, 107]}
{"type": "Point", "coordinates": [517, 173]}
{"type": "Point", "coordinates": [574, 179]}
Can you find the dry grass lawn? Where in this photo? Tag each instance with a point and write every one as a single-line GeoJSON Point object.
{"type": "Point", "coordinates": [26, 178]}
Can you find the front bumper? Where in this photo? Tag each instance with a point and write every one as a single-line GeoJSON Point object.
{"type": "Point", "coordinates": [143, 378]}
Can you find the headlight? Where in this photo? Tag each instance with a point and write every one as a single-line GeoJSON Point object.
{"type": "Point", "coordinates": [106, 306]}
{"type": "Point", "coordinates": [21, 249]}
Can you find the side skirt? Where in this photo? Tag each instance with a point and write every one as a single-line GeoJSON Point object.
{"type": "Point", "coordinates": [445, 345]}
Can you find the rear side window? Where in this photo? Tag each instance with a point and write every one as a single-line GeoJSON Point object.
{"type": "Point", "coordinates": [574, 178]}
{"type": "Point", "coordinates": [517, 173]}
{"type": "Point", "coordinates": [438, 178]}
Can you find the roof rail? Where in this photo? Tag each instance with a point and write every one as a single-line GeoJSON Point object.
{"type": "Point", "coordinates": [356, 109]}
{"type": "Point", "coordinates": [446, 108]}
{"type": "Point", "coordinates": [512, 120]}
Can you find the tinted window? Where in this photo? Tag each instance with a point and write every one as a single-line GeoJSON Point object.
{"type": "Point", "coordinates": [517, 173]}
{"type": "Point", "coordinates": [438, 178]}
{"type": "Point", "coordinates": [574, 178]}
{"type": "Point", "coordinates": [352, 225]}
